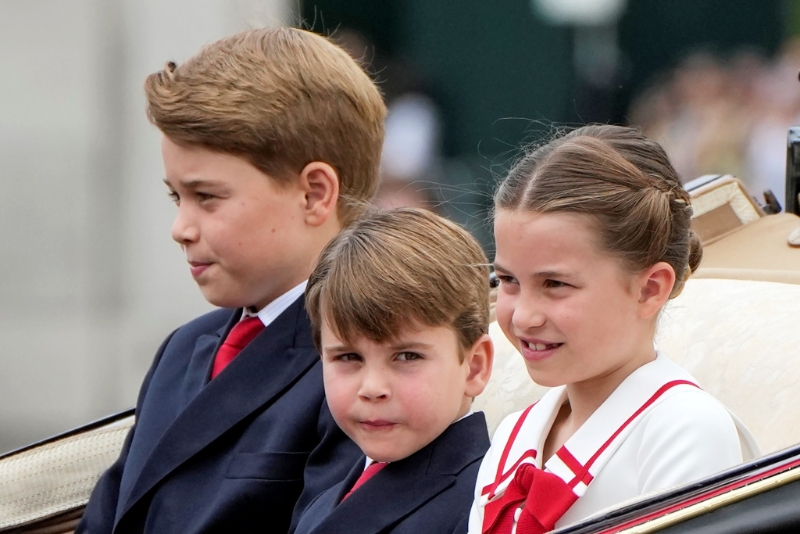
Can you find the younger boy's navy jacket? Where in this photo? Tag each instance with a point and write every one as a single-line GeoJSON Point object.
{"type": "Point", "coordinates": [431, 491]}
{"type": "Point", "coordinates": [230, 455]}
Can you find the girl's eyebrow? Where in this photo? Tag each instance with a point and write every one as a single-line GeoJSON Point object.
{"type": "Point", "coordinates": [551, 274]}
{"type": "Point", "coordinates": [498, 267]}
{"type": "Point", "coordinates": [540, 274]}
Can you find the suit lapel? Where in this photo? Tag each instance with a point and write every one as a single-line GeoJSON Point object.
{"type": "Point", "coordinates": [323, 506]}
{"type": "Point", "coordinates": [199, 371]}
{"type": "Point", "coordinates": [402, 487]}
{"type": "Point", "coordinates": [388, 498]}
{"type": "Point", "coordinates": [270, 364]}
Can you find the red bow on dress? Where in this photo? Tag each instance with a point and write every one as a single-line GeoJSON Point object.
{"type": "Point", "coordinates": [544, 498]}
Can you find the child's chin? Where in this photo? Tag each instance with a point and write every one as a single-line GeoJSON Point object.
{"type": "Point", "coordinates": [222, 299]}
{"type": "Point", "coordinates": [379, 457]}
{"type": "Point", "coordinates": [543, 379]}
{"type": "Point", "coordinates": [383, 455]}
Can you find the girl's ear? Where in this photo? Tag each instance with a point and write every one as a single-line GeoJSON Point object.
{"type": "Point", "coordinates": [320, 183]}
{"type": "Point", "coordinates": [479, 359]}
{"type": "Point", "coordinates": [655, 287]}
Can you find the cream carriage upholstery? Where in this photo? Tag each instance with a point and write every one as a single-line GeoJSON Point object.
{"type": "Point", "coordinates": [739, 338]}
{"type": "Point", "coordinates": [44, 487]}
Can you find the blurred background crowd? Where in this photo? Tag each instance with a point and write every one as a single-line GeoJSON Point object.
{"type": "Point", "coordinates": [91, 281]}
{"type": "Point", "coordinates": [726, 115]}
{"type": "Point", "coordinates": [715, 82]}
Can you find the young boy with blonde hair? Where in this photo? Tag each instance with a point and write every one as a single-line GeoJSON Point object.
{"type": "Point", "coordinates": [399, 304]}
{"type": "Point", "coordinates": [271, 144]}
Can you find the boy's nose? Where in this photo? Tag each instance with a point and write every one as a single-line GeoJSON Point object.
{"type": "Point", "coordinates": [183, 230]}
{"type": "Point", "coordinates": [374, 385]}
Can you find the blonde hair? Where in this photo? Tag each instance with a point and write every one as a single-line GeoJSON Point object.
{"type": "Point", "coordinates": [625, 182]}
{"type": "Point", "coordinates": [280, 98]}
{"type": "Point", "coordinates": [395, 268]}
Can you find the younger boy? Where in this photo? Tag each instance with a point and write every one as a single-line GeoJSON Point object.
{"type": "Point", "coordinates": [399, 307]}
{"type": "Point", "coordinates": [271, 144]}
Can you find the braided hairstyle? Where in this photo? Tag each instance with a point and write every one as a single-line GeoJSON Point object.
{"type": "Point", "coordinates": [622, 179]}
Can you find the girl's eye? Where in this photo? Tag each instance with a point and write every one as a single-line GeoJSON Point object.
{"type": "Point", "coordinates": [554, 284]}
{"type": "Point", "coordinates": [408, 356]}
{"type": "Point", "coordinates": [506, 279]}
{"type": "Point", "coordinates": [174, 196]}
{"type": "Point", "coordinates": [202, 197]}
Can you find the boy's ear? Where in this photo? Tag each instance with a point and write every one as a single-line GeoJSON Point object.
{"type": "Point", "coordinates": [655, 287]}
{"type": "Point", "coordinates": [479, 359]}
{"type": "Point", "coordinates": [320, 183]}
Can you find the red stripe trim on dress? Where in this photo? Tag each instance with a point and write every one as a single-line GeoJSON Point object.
{"type": "Point", "coordinates": [575, 466]}
{"type": "Point", "coordinates": [506, 451]}
{"type": "Point", "coordinates": [530, 453]}
{"type": "Point", "coordinates": [581, 473]}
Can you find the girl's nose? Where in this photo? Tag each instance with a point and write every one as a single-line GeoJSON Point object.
{"type": "Point", "coordinates": [527, 314]}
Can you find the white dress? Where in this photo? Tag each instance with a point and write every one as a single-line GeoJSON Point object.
{"type": "Point", "coordinates": [655, 431]}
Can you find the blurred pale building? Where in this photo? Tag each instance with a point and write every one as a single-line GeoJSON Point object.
{"type": "Point", "coordinates": [90, 281]}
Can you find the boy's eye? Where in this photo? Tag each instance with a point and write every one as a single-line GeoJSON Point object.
{"type": "Point", "coordinates": [348, 357]}
{"type": "Point", "coordinates": [174, 196]}
{"type": "Point", "coordinates": [202, 197]}
{"type": "Point", "coordinates": [408, 356]}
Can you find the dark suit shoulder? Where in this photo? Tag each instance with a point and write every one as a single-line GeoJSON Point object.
{"type": "Point", "coordinates": [460, 445]}
{"type": "Point", "coordinates": [208, 322]}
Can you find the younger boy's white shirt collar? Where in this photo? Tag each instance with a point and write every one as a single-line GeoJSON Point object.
{"type": "Point", "coordinates": [271, 311]}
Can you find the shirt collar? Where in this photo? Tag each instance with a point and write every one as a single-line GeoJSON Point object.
{"type": "Point", "coordinates": [271, 311]}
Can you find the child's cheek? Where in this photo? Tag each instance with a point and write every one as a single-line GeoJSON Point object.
{"type": "Point", "coordinates": [338, 412]}
{"type": "Point", "coordinates": [337, 393]}
{"type": "Point", "coordinates": [424, 400]}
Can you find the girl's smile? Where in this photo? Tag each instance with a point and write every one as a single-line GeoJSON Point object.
{"type": "Point", "coordinates": [533, 349]}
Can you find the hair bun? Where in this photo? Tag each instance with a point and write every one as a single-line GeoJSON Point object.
{"type": "Point", "coordinates": [695, 251]}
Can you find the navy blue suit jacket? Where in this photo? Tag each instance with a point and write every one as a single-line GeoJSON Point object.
{"type": "Point", "coordinates": [230, 455]}
{"type": "Point", "coordinates": [429, 492]}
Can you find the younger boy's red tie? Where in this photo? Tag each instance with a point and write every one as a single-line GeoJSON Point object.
{"type": "Point", "coordinates": [240, 335]}
{"type": "Point", "coordinates": [371, 469]}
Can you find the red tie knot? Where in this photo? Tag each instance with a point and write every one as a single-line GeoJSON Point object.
{"type": "Point", "coordinates": [243, 332]}
{"type": "Point", "coordinates": [368, 473]}
{"type": "Point", "coordinates": [240, 335]}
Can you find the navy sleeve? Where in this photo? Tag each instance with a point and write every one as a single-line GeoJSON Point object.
{"type": "Point", "coordinates": [328, 464]}
{"type": "Point", "coordinates": [98, 518]}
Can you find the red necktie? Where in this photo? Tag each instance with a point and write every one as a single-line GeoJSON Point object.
{"type": "Point", "coordinates": [544, 498]}
{"type": "Point", "coordinates": [240, 335]}
{"type": "Point", "coordinates": [371, 469]}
